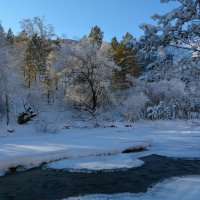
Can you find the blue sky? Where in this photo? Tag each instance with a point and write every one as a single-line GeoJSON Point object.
{"type": "Point", "coordinates": [74, 18]}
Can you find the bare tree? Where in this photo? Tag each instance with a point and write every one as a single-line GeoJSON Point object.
{"type": "Point", "coordinates": [38, 26]}
{"type": "Point", "coordinates": [89, 70]}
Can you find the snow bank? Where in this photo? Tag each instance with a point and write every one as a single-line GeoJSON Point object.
{"type": "Point", "coordinates": [185, 188]}
{"type": "Point", "coordinates": [88, 164]}
{"type": "Point", "coordinates": [27, 148]}
{"type": "Point", "coordinates": [29, 152]}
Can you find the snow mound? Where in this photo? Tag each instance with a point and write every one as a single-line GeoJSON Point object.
{"type": "Point", "coordinates": [184, 188]}
{"type": "Point", "coordinates": [89, 164]}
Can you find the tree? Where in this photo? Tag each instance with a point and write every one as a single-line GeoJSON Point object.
{"type": "Point", "coordinates": [30, 67]}
{"type": "Point", "coordinates": [49, 81]}
{"type": "Point", "coordinates": [43, 49]}
{"type": "Point", "coordinates": [96, 36]}
{"type": "Point", "coordinates": [178, 29]}
{"type": "Point", "coordinates": [5, 75]}
{"type": "Point", "coordinates": [185, 29]}
{"type": "Point", "coordinates": [21, 38]}
{"type": "Point", "coordinates": [114, 43]}
{"type": "Point", "coordinates": [125, 55]}
{"type": "Point", "coordinates": [89, 70]}
{"type": "Point", "coordinates": [37, 26]}
{"type": "Point", "coordinates": [128, 40]}
{"type": "Point", "coordinates": [175, 31]}
{"type": "Point", "coordinates": [41, 35]}
{"type": "Point", "coordinates": [171, 51]}
{"type": "Point", "coordinates": [41, 44]}
{"type": "Point", "coordinates": [10, 36]}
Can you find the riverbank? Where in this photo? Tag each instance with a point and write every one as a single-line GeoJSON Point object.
{"type": "Point", "coordinates": [27, 148]}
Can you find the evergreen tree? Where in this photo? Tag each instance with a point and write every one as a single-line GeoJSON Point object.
{"type": "Point", "coordinates": [36, 56]}
{"type": "Point", "coordinates": [41, 35]}
{"type": "Point", "coordinates": [124, 56]}
{"type": "Point", "coordinates": [43, 50]}
{"type": "Point", "coordinates": [128, 40]}
{"type": "Point", "coordinates": [114, 43]}
{"type": "Point", "coordinates": [21, 38]}
{"type": "Point", "coordinates": [30, 63]}
{"type": "Point", "coordinates": [96, 36]}
{"type": "Point", "coordinates": [10, 36]}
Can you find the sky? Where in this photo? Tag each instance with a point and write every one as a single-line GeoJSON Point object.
{"type": "Point", "coordinates": [74, 18]}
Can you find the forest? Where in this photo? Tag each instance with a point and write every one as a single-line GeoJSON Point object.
{"type": "Point", "coordinates": [50, 79]}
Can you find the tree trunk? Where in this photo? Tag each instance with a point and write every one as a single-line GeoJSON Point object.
{"type": "Point", "coordinates": [7, 110]}
{"type": "Point", "coordinates": [94, 101]}
{"type": "Point", "coordinates": [48, 97]}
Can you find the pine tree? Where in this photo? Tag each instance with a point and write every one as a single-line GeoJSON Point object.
{"type": "Point", "coordinates": [43, 49]}
{"type": "Point", "coordinates": [114, 43]}
{"type": "Point", "coordinates": [10, 36]}
{"type": "Point", "coordinates": [21, 38]}
{"type": "Point", "coordinates": [30, 63]}
{"type": "Point", "coordinates": [36, 56]}
{"type": "Point", "coordinates": [124, 56]}
{"type": "Point", "coordinates": [41, 35]}
{"type": "Point", "coordinates": [128, 40]}
{"type": "Point", "coordinates": [96, 36]}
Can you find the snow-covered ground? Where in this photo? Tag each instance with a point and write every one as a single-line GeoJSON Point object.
{"type": "Point", "coordinates": [28, 148]}
{"type": "Point", "coordinates": [184, 188]}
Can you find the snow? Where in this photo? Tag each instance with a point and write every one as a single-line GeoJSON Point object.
{"type": "Point", "coordinates": [89, 164]}
{"type": "Point", "coordinates": [27, 148]}
{"type": "Point", "coordinates": [184, 188]}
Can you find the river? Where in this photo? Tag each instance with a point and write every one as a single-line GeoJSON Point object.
{"type": "Point", "coordinates": [39, 184]}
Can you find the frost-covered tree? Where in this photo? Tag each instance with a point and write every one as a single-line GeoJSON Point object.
{"type": "Point", "coordinates": [88, 71]}
{"type": "Point", "coordinates": [168, 100]}
{"type": "Point", "coordinates": [177, 28]}
{"type": "Point", "coordinates": [37, 26]}
{"type": "Point", "coordinates": [165, 99]}
{"type": "Point", "coordinates": [134, 105]}
{"type": "Point", "coordinates": [6, 76]}
{"type": "Point", "coordinates": [180, 27]}
{"type": "Point", "coordinates": [175, 31]}
{"type": "Point", "coordinates": [49, 82]}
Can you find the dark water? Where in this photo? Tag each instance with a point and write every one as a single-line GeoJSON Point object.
{"type": "Point", "coordinates": [38, 184]}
